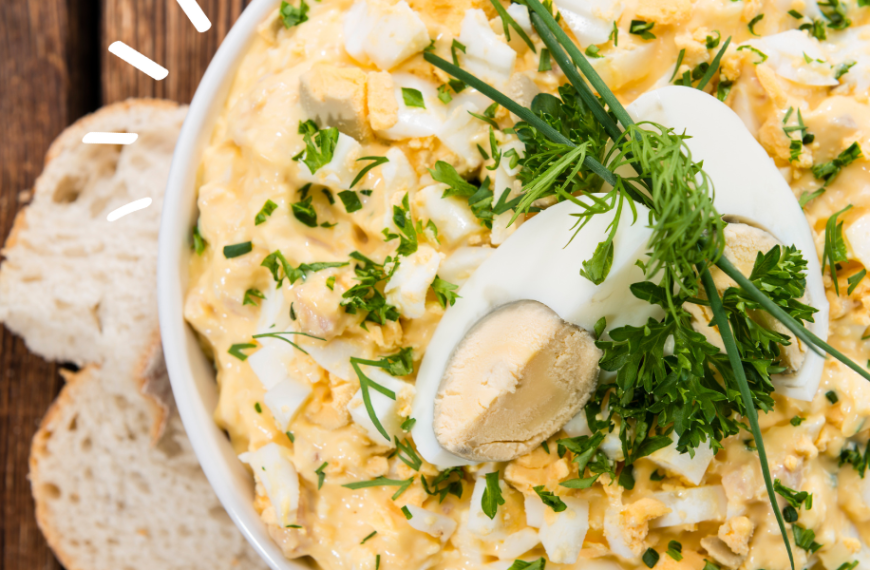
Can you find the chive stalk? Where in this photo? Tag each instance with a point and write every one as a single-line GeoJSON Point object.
{"type": "Point", "coordinates": [721, 320]}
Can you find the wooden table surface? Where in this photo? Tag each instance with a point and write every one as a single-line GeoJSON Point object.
{"type": "Point", "coordinates": [54, 68]}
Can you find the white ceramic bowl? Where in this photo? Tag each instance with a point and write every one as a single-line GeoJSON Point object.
{"type": "Point", "coordinates": [192, 375]}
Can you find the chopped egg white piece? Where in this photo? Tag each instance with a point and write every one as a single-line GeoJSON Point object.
{"type": "Point", "coordinates": [690, 506]}
{"type": "Point", "coordinates": [284, 400]}
{"type": "Point", "coordinates": [562, 534]}
{"type": "Point", "coordinates": [272, 467]}
{"type": "Point", "coordinates": [479, 524]}
{"type": "Point", "coordinates": [339, 172]}
{"type": "Point", "coordinates": [269, 362]}
{"type": "Point", "coordinates": [451, 215]}
{"type": "Point", "coordinates": [612, 446]}
{"type": "Point", "coordinates": [464, 261]}
{"type": "Point", "coordinates": [624, 64]}
{"type": "Point", "coordinates": [408, 286]}
{"type": "Point", "coordinates": [852, 46]}
{"type": "Point", "coordinates": [858, 239]}
{"type": "Point", "coordinates": [382, 34]}
{"type": "Point", "coordinates": [415, 122]}
{"type": "Point", "coordinates": [486, 55]}
{"type": "Point", "coordinates": [462, 131]}
{"type": "Point", "coordinates": [434, 524]}
{"type": "Point", "coordinates": [334, 356]}
{"type": "Point", "coordinates": [274, 312]}
{"type": "Point", "coordinates": [577, 426]}
{"type": "Point", "coordinates": [534, 508]}
{"type": "Point", "coordinates": [590, 20]}
{"type": "Point", "coordinates": [518, 543]}
{"type": "Point", "coordinates": [399, 179]}
{"type": "Point", "coordinates": [692, 468]}
{"type": "Point", "coordinates": [521, 16]}
{"type": "Point", "coordinates": [386, 409]}
{"type": "Point", "coordinates": [787, 54]}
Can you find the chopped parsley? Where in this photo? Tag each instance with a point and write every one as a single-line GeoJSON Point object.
{"type": "Point", "coordinates": [374, 161]}
{"type": "Point", "coordinates": [797, 420]}
{"type": "Point", "coordinates": [650, 557]}
{"type": "Point", "coordinates": [832, 397]}
{"type": "Point", "coordinates": [198, 243]}
{"type": "Point", "coordinates": [538, 564]}
{"type": "Point", "coordinates": [713, 43]}
{"type": "Point", "coordinates": [444, 94]}
{"type": "Point", "coordinates": [854, 280]}
{"type": "Point", "coordinates": [251, 296]}
{"type": "Point", "coordinates": [444, 292]}
{"type": "Point", "coordinates": [835, 246]}
{"type": "Point", "coordinates": [413, 98]}
{"type": "Point", "coordinates": [350, 200]}
{"type": "Point", "coordinates": [406, 454]}
{"type": "Point", "coordinates": [367, 296]}
{"type": "Point", "coordinates": [549, 498]}
{"type": "Point", "coordinates": [237, 249]}
{"type": "Point", "coordinates": [290, 436]}
{"type": "Point", "coordinates": [828, 171]}
{"type": "Point", "coordinates": [853, 457]}
{"type": "Point", "coordinates": [808, 197]}
{"type": "Point", "coordinates": [834, 12]}
{"type": "Point", "coordinates": [491, 495]}
{"type": "Point", "coordinates": [626, 477]}
{"type": "Point", "coordinates": [402, 484]}
{"type": "Point", "coordinates": [304, 212]}
{"type": "Point", "coordinates": [593, 52]}
{"type": "Point", "coordinates": [642, 28]}
{"type": "Point", "coordinates": [752, 24]}
{"type": "Point", "coordinates": [292, 16]}
{"type": "Point", "coordinates": [843, 69]}
{"type": "Point", "coordinates": [407, 231]}
{"type": "Point", "coordinates": [319, 145]}
{"type": "Point", "coordinates": [281, 269]}
{"type": "Point", "coordinates": [408, 424]}
{"type": "Point", "coordinates": [258, 408]}
{"type": "Point", "coordinates": [265, 212]}
{"type": "Point", "coordinates": [321, 476]}
{"type": "Point", "coordinates": [236, 350]}
{"type": "Point", "coordinates": [805, 538]}
{"type": "Point", "coordinates": [758, 52]}
{"type": "Point", "coordinates": [370, 536]}
{"type": "Point", "coordinates": [330, 282]}
{"type": "Point", "coordinates": [447, 482]}
{"type": "Point", "coordinates": [407, 512]}
{"type": "Point", "coordinates": [675, 550]}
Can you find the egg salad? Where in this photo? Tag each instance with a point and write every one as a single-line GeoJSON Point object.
{"type": "Point", "coordinates": [572, 284]}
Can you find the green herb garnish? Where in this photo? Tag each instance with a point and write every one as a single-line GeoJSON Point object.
{"type": "Point", "coordinates": [237, 249]}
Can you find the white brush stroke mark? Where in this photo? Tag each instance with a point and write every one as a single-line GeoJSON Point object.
{"type": "Point", "coordinates": [110, 138]}
{"type": "Point", "coordinates": [197, 16]}
{"type": "Point", "coordinates": [138, 60]}
{"type": "Point", "coordinates": [134, 206]}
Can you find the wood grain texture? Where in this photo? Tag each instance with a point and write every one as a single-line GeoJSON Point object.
{"type": "Point", "coordinates": [160, 30]}
{"type": "Point", "coordinates": [54, 68]}
{"type": "Point", "coordinates": [34, 108]}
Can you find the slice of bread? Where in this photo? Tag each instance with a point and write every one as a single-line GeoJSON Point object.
{"type": "Point", "coordinates": [107, 499]}
{"type": "Point", "coordinates": [76, 286]}
{"type": "Point", "coordinates": [111, 492]}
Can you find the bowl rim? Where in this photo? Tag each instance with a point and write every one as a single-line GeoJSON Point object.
{"type": "Point", "coordinates": [191, 374]}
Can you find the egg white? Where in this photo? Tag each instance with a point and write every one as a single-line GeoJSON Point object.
{"type": "Point", "coordinates": [535, 263]}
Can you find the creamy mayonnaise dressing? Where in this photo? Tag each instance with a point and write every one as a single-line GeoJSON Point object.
{"type": "Point", "coordinates": [250, 160]}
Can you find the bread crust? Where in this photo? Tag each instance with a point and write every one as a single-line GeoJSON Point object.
{"type": "Point", "coordinates": [39, 450]}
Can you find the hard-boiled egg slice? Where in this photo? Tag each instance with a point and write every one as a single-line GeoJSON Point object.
{"type": "Point", "coordinates": [532, 265]}
{"type": "Point", "coordinates": [434, 524]}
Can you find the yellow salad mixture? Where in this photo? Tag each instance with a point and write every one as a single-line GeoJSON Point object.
{"type": "Point", "coordinates": [301, 225]}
